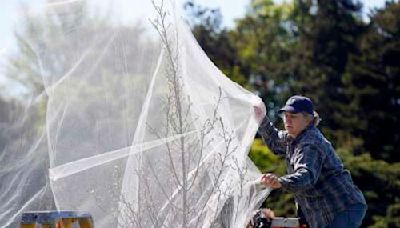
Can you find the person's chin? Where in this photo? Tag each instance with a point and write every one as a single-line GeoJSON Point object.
{"type": "Point", "coordinates": [290, 131]}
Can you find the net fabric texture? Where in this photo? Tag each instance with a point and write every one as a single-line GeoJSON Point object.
{"type": "Point", "coordinates": [124, 116]}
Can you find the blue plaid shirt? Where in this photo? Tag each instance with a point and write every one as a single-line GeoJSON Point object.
{"type": "Point", "coordinates": [315, 174]}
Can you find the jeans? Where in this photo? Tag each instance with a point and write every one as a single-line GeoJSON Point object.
{"type": "Point", "coordinates": [349, 218]}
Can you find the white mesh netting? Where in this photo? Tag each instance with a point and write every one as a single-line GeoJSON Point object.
{"type": "Point", "coordinates": [125, 117]}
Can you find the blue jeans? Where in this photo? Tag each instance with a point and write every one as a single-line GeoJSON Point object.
{"type": "Point", "coordinates": [349, 218]}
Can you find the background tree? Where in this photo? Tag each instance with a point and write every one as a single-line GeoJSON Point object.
{"type": "Point", "coordinates": [265, 39]}
{"type": "Point", "coordinates": [61, 48]}
{"type": "Point", "coordinates": [327, 38]}
{"type": "Point", "coordinates": [372, 85]}
{"type": "Point", "coordinates": [323, 49]}
{"type": "Point", "coordinates": [349, 66]}
{"type": "Point", "coordinates": [206, 25]}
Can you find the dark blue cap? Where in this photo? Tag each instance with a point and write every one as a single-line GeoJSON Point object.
{"type": "Point", "coordinates": [296, 104]}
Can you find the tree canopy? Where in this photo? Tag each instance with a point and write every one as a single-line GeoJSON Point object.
{"type": "Point", "coordinates": [348, 64]}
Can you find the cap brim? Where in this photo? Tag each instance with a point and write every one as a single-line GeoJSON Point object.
{"type": "Point", "coordinates": [287, 109]}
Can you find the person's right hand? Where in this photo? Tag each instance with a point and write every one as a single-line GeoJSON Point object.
{"type": "Point", "coordinates": [268, 213]}
{"type": "Point", "coordinates": [259, 112]}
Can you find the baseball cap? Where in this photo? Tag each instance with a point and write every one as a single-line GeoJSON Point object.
{"type": "Point", "coordinates": [296, 104]}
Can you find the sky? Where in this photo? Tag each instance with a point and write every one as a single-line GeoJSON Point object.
{"type": "Point", "coordinates": [230, 10]}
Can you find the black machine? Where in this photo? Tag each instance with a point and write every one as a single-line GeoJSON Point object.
{"type": "Point", "coordinates": [260, 221]}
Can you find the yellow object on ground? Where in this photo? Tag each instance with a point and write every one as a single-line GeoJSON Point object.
{"type": "Point", "coordinates": [56, 219]}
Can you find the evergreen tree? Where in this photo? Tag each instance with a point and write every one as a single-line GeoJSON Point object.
{"type": "Point", "coordinates": [372, 84]}
{"type": "Point", "coordinates": [329, 33]}
{"type": "Point", "coordinates": [265, 39]}
{"type": "Point", "coordinates": [206, 26]}
{"type": "Point", "coordinates": [350, 68]}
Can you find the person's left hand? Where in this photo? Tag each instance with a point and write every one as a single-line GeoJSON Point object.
{"type": "Point", "coordinates": [270, 180]}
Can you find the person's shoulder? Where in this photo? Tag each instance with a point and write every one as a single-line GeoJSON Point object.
{"type": "Point", "coordinates": [318, 136]}
{"type": "Point", "coordinates": [312, 137]}
{"type": "Point", "coordinates": [312, 134]}
{"type": "Point", "coordinates": [315, 140]}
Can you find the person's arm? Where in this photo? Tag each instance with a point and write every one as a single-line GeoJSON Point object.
{"type": "Point", "coordinates": [308, 162]}
{"type": "Point", "coordinates": [272, 137]}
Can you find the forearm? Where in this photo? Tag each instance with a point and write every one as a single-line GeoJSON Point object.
{"type": "Point", "coordinates": [271, 137]}
{"type": "Point", "coordinates": [298, 181]}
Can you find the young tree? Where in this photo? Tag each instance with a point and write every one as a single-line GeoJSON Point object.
{"type": "Point", "coordinates": [202, 180]}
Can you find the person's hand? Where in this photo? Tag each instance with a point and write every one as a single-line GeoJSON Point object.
{"type": "Point", "coordinates": [260, 217]}
{"type": "Point", "coordinates": [270, 180]}
{"type": "Point", "coordinates": [259, 112]}
{"type": "Point", "coordinates": [268, 213]}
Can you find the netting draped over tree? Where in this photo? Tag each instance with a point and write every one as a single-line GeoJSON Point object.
{"type": "Point", "coordinates": [124, 117]}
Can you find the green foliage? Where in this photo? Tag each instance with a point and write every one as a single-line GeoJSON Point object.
{"type": "Point", "coordinates": [327, 38]}
{"type": "Point", "coordinates": [262, 157]}
{"type": "Point", "coordinates": [349, 67]}
{"type": "Point", "coordinates": [265, 40]}
{"type": "Point", "coordinates": [282, 203]}
{"type": "Point", "coordinates": [322, 49]}
{"type": "Point", "coordinates": [215, 41]}
{"type": "Point", "coordinates": [393, 215]}
{"type": "Point", "coordinates": [380, 182]}
{"type": "Point", "coordinates": [372, 85]}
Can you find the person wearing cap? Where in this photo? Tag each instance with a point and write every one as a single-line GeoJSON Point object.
{"type": "Point", "coordinates": [322, 188]}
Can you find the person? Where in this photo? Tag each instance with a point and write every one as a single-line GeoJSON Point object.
{"type": "Point", "coordinates": [322, 188]}
{"type": "Point", "coordinates": [262, 218]}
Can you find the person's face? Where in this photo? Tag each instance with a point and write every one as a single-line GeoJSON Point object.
{"type": "Point", "coordinates": [295, 123]}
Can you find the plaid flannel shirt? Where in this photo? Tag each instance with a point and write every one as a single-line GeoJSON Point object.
{"type": "Point", "coordinates": [315, 174]}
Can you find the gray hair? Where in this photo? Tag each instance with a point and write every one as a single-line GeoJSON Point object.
{"type": "Point", "coordinates": [315, 118]}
